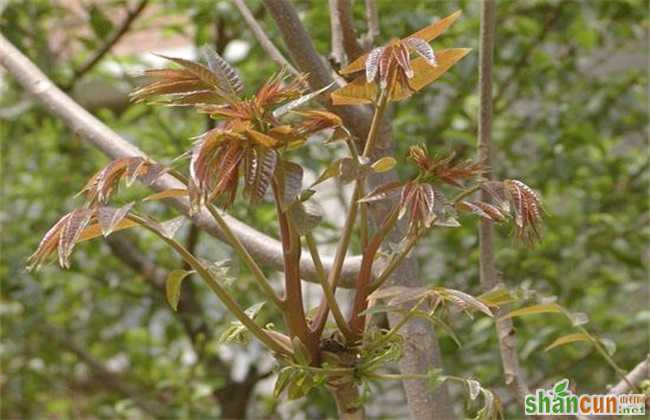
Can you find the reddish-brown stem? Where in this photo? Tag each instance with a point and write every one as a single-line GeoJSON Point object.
{"type": "Point", "coordinates": [357, 319]}
{"type": "Point", "coordinates": [334, 275]}
{"type": "Point", "coordinates": [294, 313]}
{"type": "Point", "coordinates": [323, 310]}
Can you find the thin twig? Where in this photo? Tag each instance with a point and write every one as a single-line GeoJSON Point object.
{"type": "Point", "coordinates": [327, 289]}
{"type": "Point", "coordinates": [488, 273]}
{"type": "Point", "coordinates": [351, 45]}
{"type": "Point", "coordinates": [108, 44]}
{"type": "Point", "coordinates": [266, 43]}
{"type": "Point", "coordinates": [243, 253]}
{"type": "Point", "coordinates": [336, 33]}
{"type": "Point", "coordinates": [213, 283]}
{"type": "Point", "coordinates": [372, 20]}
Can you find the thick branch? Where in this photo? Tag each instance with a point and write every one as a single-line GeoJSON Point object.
{"type": "Point", "coordinates": [640, 373]}
{"type": "Point", "coordinates": [266, 250]}
{"type": "Point", "coordinates": [262, 38]}
{"type": "Point", "coordinates": [109, 43]}
{"type": "Point", "coordinates": [488, 273]}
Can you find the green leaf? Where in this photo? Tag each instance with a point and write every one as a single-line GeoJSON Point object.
{"type": "Point", "coordinates": [300, 385]}
{"type": "Point", "coordinates": [566, 339]}
{"type": "Point", "coordinates": [173, 286]}
{"type": "Point", "coordinates": [497, 297]}
{"type": "Point", "coordinates": [434, 379]}
{"type": "Point", "coordinates": [283, 380]}
{"type": "Point", "coordinates": [437, 322]}
{"type": "Point", "coordinates": [236, 332]}
{"type": "Point", "coordinates": [384, 164]}
{"type": "Point", "coordinates": [535, 309]}
{"type": "Point", "coordinates": [332, 170]}
{"type": "Point", "coordinates": [300, 352]}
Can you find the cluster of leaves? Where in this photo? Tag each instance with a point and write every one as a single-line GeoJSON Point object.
{"type": "Point", "coordinates": [571, 127]}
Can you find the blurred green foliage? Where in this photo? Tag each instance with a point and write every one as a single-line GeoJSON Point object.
{"type": "Point", "coordinates": [571, 119]}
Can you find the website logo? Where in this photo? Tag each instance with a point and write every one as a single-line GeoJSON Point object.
{"type": "Point", "coordinates": [561, 401]}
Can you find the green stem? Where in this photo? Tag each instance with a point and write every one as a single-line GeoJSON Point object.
{"type": "Point", "coordinates": [399, 325]}
{"type": "Point", "coordinates": [239, 248]}
{"type": "Point", "coordinates": [337, 265]}
{"type": "Point", "coordinates": [603, 352]}
{"type": "Point", "coordinates": [397, 377]}
{"type": "Point", "coordinates": [218, 290]}
{"type": "Point", "coordinates": [375, 124]}
{"type": "Point", "coordinates": [327, 290]}
{"type": "Point", "coordinates": [395, 262]}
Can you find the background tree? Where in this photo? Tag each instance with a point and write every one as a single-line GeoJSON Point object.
{"type": "Point", "coordinates": [570, 116]}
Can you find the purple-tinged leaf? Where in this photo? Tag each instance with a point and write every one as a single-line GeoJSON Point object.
{"type": "Point", "coordinates": [372, 64]}
{"type": "Point", "coordinates": [230, 80]}
{"type": "Point", "coordinates": [423, 49]}
{"type": "Point", "coordinates": [70, 232]}
{"type": "Point", "coordinates": [109, 217]}
{"type": "Point", "coordinates": [282, 110]}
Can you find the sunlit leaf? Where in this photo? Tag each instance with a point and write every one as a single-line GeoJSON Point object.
{"type": "Point", "coordinates": [497, 297]}
{"type": "Point", "coordinates": [284, 377]}
{"type": "Point", "coordinates": [359, 91]}
{"type": "Point", "coordinates": [535, 309]}
{"type": "Point", "coordinates": [170, 193]}
{"type": "Point", "coordinates": [282, 110]}
{"type": "Point", "coordinates": [95, 230]}
{"type": "Point", "coordinates": [384, 164]}
{"type": "Point", "coordinates": [465, 299]}
{"type": "Point", "coordinates": [566, 339]}
{"type": "Point", "coordinates": [428, 33]}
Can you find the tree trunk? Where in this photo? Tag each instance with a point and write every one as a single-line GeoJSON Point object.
{"type": "Point", "coordinates": [346, 395]}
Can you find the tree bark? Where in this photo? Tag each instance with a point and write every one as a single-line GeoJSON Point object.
{"type": "Point", "coordinates": [346, 395]}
